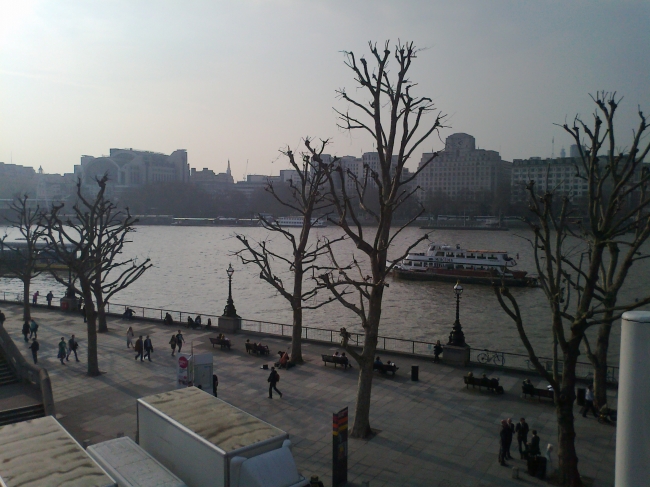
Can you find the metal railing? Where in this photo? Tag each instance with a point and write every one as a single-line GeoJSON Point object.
{"type": "Point", "coordinates": [489, 358]}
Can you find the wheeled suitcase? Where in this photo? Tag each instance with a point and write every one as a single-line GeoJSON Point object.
{"type": "Point", "coordinates": [541, 467]}
{"type": "Point", "coordinates": [533, 465]}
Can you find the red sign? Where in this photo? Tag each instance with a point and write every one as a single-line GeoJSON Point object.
{"type": "Point", "coordinates": [182, 362]}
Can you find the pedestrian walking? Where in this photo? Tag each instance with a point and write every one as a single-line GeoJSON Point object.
{"type": "Point", "coordinates": [129, 337]}
{"type": "Point", "coordinates": [589, 402]}
{"type": "Point", "coordinates": [33, 328]}
{"type": "Point", "coordinates": [172, 343]}
{"type": "Point", "coordinates": [62, 351]}
{"type": "Point", "coordinates": [34, 348]}
{"type": "Point", "coordinates": [215, 384]}
{"type": "Point", "coordinates": [148, 348]}
{"type": "Point", "coordinates": [72, 348]}
{"type": "Point", "coordinates": [2, 318]}
{"type": "Point", "coordinates": [179, 340]}
{"type": "Point", "coordinates": [49, 299]}
{"type": "Point", "coordinates": [35, 297]}
{"type": "Point", "coordinates": [273, 379]}
{"type": "Point", "coordinates": [511, 428]}
{"type": "Point", "coordinates": [533, 447]}
{"type": "Point", "coordinates": [26, 331]}
{"type": "Point", "coordinates": [139, 349]}
{"type": "Point", "coordinates": [522, 435]}
{"type": "Point", "coordinates": [83, 313]}
{"type": "Point", "coordinates": [503, 442]}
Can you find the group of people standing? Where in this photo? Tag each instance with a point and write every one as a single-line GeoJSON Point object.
{"type": "Point", "coordinates": [521, 429]}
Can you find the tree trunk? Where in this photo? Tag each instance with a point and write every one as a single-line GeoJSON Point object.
{"type": "Point", "coordinates": [296, 336]}
{"type": "Point", "coordinates": [27, 315]}
{"type": "Point", "coordinates": [296, 305]}
{"type": "Point", "coordinates": [361, 427]}
{"type": "Point", "coordinates": [91, 318]}
{"type": "Point", "coordinates": [566, 453]}
{"type": "Point", "coordinates": [102, 327]}
{"type": "Point", "coordinates": [600, 364]}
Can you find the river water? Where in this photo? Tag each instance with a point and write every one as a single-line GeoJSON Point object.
{"type": "Point", "coordinates": [189, 274]}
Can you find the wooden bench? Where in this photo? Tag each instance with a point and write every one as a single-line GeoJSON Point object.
{"type": "Point", "coordinates": [540, 393]}
{"type": "Point", "coordinates": [385, 368]}
{"type": "Point", "coordinates": [336, 360]}
{"type": "Point", "coordinates": [222, 343]}
{"type": "Point", "coordinates": [257, 350]}
{"type": "Point", "coordinates": [489, 384]}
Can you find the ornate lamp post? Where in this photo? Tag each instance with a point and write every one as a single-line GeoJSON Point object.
{"type": "Point", "coordinates": [457, 337]}
{"type": "Point", "coordinates": [230, 310]}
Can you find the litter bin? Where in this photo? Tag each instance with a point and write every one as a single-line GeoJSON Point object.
{"type": "Point", "coordinates": [581, 396]}
{"type": "Point", "coordinates": [415, 373]}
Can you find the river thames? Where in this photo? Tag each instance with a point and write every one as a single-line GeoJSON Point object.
{"type": "Point", "coordinates": [189, 274]}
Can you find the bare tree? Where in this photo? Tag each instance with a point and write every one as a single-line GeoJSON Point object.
{"type": "Point", "coordinates": [307, 198]}
{"type": "Point", "coordinates": [21, 259]}
{"type": "Point", "coordinates": [582, 273]}
{"type": "Point", "coordinates": [90, 242]}
{"type": "Point", "coordinates": [395, 119]}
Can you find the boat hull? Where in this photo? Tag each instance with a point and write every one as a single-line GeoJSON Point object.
{"type": "Point", "coordinates": [450, 275]}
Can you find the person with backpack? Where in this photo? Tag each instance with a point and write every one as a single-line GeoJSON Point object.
{"type": "Point", "coordinates": [172, 343]}
{"type": "Point", "coordinates": [72, 348]}
{"type": "Point", "coordinates": [273, 379]}
{"type": "Point", "coordinates": [34, 347]}
{"type": "Point", "coordinates": [33, 328]}
{"type": "Point", "coordinates": [62, 351]}
{"type": "Point", "coordinates": [26, 331]}
{"type": "Point", "coordinates": [179, 340]}
{"type": "Point", "coordinates": [148, 348]}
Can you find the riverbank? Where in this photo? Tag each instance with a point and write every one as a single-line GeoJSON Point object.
{"type": "Point", "coordinates": [434, 432]}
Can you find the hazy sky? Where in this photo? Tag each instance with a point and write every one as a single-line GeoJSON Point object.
{"type": "Point", "coordinates": [239, 79]}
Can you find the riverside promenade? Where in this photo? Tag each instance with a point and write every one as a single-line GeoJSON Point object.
{"type": "Point", "coordinates": [434, 432]}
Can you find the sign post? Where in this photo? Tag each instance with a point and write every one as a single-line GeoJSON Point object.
{"type": "Point", "coordinates": [340, 448]}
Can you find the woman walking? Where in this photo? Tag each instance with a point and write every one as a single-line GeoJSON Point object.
{"type": "Point", "coordinates": [63, 350]}
{"type": "Point", "coordinates": [129, 337]}
{"type": "Point", "coordinates": [172, 343]}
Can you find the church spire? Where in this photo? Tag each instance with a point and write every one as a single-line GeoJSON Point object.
{"type": "Point", "coordinates": [228, 170]}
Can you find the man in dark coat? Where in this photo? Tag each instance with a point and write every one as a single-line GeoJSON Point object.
{"type": "Point", "coordinates": [26, 331]}
{"type": "Point", "coordinates": [522, 435]}
{"type": "Point", "coordinates": [504, 433]}
{"type": "Point", "coordinates": [34, 348]}
{"type": "Point", "coordinates": [148, 348]}
{"type": "Point", "coordinates": [511, 428]}
{"type": "Point", "coordinates": [273, 379]}
{"type": "Point", "coordinates": [533, 447]}
{"type": "Point", "coordinates": [139, 348]}
{"type": "Point", "coordinates": [72, 348]}
{"type": "Point", "coordinates": [215, 384]}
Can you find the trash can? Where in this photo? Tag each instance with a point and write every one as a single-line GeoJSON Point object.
{"type": "Point", "coordinates": [415, 373]}
{"type": "Point", "coordinates": [581, 396]}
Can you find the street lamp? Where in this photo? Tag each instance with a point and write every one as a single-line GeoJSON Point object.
{"type": "Point", "coordinates": [457, 337]}
{"type": "Point", "coordinates": [230, 310]}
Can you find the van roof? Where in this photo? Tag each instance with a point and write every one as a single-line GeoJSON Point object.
{"type": "Point", "coordinates": [222, 424]}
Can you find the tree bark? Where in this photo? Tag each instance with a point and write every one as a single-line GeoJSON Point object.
{"type": "Point", "coordinates": [600, 364]}
{"type": "Point", "coordinates": [91, 318]}
{"type": "Point", "coordinates": [27, 315]}
{"type": "Point", "coordinates": [296, 305]}
{"type": "Point", "coordinates": [361, 426]}
{"type": "Point", "coordinates": [102, 327]}
{"type": "Point", "coordinates": [566, 453]}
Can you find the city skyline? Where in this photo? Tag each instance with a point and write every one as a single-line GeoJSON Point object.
{"type": "Point", "coordinates": [239, 81]}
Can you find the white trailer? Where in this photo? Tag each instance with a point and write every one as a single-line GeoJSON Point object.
{"type": "Point", "coordinates": [130, 465]}
{"type": "Point", "coordinates": [207, 442]}
{"type": "Point", "coordinates": [41, 453]}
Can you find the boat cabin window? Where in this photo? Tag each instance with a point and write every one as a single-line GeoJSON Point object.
{"type": "Point", "coordinates": [492, 257]}
{"type": "Point", "coordinates": [440, 254]}
{"type": "Point", "coordinates": [471, 256]}
{"type": "Point", "coordinates": [460, 254]}
{"type": "Point", "coordinates": [418, 264]}
{"type": "Point", "coordinates": [450, 254]}
{"type": "Point", "coordinates": [460, 266]}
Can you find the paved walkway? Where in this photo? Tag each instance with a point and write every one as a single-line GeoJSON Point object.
{"type": "Point", "coordinates": [434, 432]}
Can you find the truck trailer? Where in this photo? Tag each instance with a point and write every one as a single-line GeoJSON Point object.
{"type": "Point", "coordinates": [41, 453]}
{"type": "Point", "coordinates": [207, 442]}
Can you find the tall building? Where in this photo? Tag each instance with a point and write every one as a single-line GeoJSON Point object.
{"type": "Point", "coordinates": [128, 168]}
{"type": "Point", "coordinates": [560, 174]}
{"type": "Point", "coordinates": [464, 172]}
